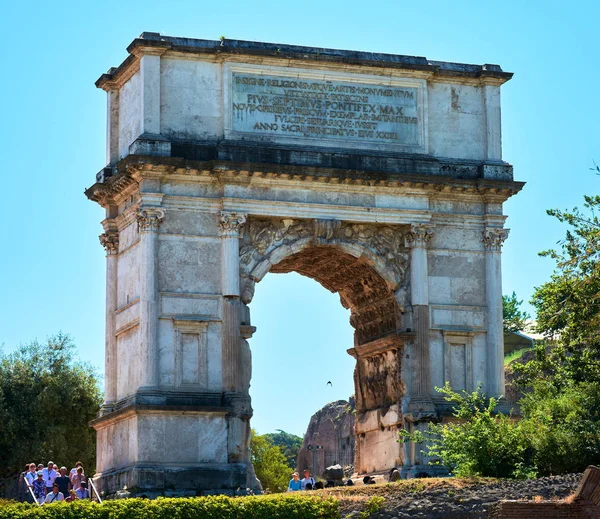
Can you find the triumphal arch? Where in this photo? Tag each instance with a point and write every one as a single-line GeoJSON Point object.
{"type": "Point", "coordinates": [380, 176]}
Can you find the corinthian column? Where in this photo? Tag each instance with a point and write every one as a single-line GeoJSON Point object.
{"type": "Point", "coordinates": [149, 220]}
{"type": "Point", "coordinates": [110, 241]}
{"type": "Point", "coordinates": [493, 240]}
{"type": "Point", "coordinates": [417, 239]}
{"type": "Point", "coordinates": [229, 225]}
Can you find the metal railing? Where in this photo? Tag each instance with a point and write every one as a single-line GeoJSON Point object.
{"type": "Point", "coordinates": [96, 491]}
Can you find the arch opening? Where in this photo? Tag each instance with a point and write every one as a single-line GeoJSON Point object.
{"type": "Point", "coordinates": [374, 312]}
{"type": "Point", "coordinates": [365, 266]}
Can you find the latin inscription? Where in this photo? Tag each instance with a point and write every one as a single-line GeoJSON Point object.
{"type": "Point", "coordinates": [320, 109]}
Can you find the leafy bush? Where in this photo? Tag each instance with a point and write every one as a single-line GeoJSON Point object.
{"type": "Point", "coordinates": [288, 506]}
{"type": "Point", "coordinates": [480, 442]}
{"type": "Point", "coordinates": [563, 426]}
{"type": "Point", "coordinates": [372, 506]}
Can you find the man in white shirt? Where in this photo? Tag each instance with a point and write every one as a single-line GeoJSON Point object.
{"type": "Point", "coordinates": [49, 476]}
{"type": "Point", "coordinates": [308, 479]}
{"type": "Point", "coordinates": [55, 495]}
{"type": "Point", "coordinates": [31, 475]}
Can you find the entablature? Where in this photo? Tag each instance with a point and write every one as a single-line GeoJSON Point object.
{"type": "Point", "coordinates": [131, 170]}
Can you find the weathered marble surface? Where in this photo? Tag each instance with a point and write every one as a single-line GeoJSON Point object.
{"type": "Point", "coordinates": [412, 249]}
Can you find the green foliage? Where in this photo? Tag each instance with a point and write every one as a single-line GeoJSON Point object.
{"type": "Point", "coordinates": [288, 443]}
{"type": "Point", "coordinates": [560, 427]}
{"type": "Point", "coordinates": [561, 384]}
{"type": "Point", "coordinates": [47, 399]}
{"type": "Point", "coordinates": [372, 506]}
{"type": "Point", "coordinates": [269, 463]}
{"type": "Point", "coordinates": [480, 442]}
{"type": "Point", "coordinates": [514, 355]}
{"type": "Point", "coordinates": [288, 506]}
{"type": "Point", "coordinates": [563, 426]}
{"type": "Point", "coordinates": [569, 304]}
{"type": "Point", "coordinates": [514, 319]}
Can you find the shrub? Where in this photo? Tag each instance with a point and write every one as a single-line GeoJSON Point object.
{"type": "Point", "coordinates": [563, 426]}
{"type": "Point", "coordinates": [288, 506]}
{"type": "Point", "coordinates": [480, 442]}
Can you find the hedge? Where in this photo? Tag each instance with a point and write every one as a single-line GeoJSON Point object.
{"type": "Point", "coordinates": [281, 506]}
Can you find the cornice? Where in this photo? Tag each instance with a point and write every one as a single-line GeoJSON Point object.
{"type": "Point", "coordinates": [288, 55]}
{"type": "Point", "coordinates": [115, 189]}
{"type": "Point", "coordinates": [133, 168]}
{"type": "Point", "coordinates": [116, 77]}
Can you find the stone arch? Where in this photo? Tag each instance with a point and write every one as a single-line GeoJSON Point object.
{"type": "Point", "coordinates": [366, 265]}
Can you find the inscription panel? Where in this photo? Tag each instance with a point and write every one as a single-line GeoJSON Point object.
{"type": "Point", "coordinates": [326, 110]}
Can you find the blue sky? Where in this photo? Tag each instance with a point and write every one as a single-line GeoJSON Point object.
{"type": "Point", "coordinates": [53, 137]}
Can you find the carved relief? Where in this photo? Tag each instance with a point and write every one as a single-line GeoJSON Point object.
{"type": "Point", "coordinates": [494, 238]}
{"type": "Point", "coordinates": [149, 218]}
{"type": "Point", "coordinates": [262, 235]}
{"type": "Point", "coordinates": [378, 380]}
{"type": "Point", "coordinates": [374, 309]}
{"type": "Point", "coordinates": [110, 241]}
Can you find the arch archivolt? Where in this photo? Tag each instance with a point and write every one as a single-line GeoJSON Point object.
{"type": "Point", "coordinates": [366, 264]}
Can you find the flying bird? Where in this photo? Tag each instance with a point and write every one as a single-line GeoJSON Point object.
{"type": "Point", "coordinates": [329, 383]}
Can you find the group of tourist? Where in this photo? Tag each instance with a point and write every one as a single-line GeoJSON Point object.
{"type": "Point", "coordinates": [306, 483]}
{"type": "Point", "coordinates": [51, 484]}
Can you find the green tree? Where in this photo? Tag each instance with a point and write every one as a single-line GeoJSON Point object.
{"type": "Point", "coordinates": [269, 463]}
{"type": "Point", "coordinates": [288, 443]}
{"type": "Point", "coordinates": [46, 401]}
{"type": "Point", "coordinates": [562, 383]}
{"type": "Point", "coordinates": [514, 319]}
{"type": "Point", "coordinates": [568, 306]}
{"type": "Point", "coordinates": [562, 426]}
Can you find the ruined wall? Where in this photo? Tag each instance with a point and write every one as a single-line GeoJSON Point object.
{"type": "Point", "coordinates": [332, 427]}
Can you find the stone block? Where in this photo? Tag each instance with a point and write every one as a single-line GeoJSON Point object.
{"type": "Point", "coordinates": [151, 145]}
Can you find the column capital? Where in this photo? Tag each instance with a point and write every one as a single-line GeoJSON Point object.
{"type": "Point", "coordinates": [149, 218]}
{"type": "Point", "coordinates": [110, 241]}
{"type": "Point", "coordinates": [231, 222]}
{"type": "Point", "coordinates": [419, 235]}
{"type": "Point", "coordinates": [494, 238]}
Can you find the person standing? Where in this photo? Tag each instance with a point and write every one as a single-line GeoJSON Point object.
{"type": "Point", "coordinates": [63, 482]}
{"type": "Point", "coordinates": [307, 479]}
{"type": "Point", "coordinates": [82, 492]}
{"type": "Point", "coordinates": [54, 496]}
{"type": "Point", "coordinates": [30, 477]}
{"type": "Point", "coordinates": [39, 488]}
{"type": "Point", "coordinates": [31, 474]}
{"type": "Point", "coordinates": [77, 478]}
{"type": "Point", "coordinates": [49, 476]}
{"type": "Point", "coordinates": [295, 483]}
{"type": "Point", "coordinates": [74, 469]}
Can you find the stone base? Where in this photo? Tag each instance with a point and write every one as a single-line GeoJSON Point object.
{"type": "Point", "coordinates": [159, 443]}
{"type": "Point", "coordinates": [154, 481]}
